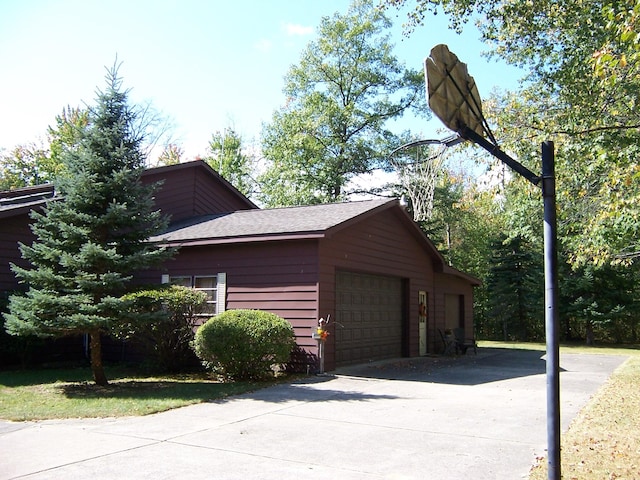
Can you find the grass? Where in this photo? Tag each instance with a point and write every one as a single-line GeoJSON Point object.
{"type": "Point", "coordinates": [603, 441]}
{"type": "Point", "coordinates": [70, 393]}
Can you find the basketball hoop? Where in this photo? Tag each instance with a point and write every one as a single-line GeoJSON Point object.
{"type": "Point", "coordinates": [454, 99]}
{"type": "Point", "coordinates": [418, 164]}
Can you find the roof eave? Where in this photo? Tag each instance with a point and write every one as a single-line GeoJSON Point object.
{"type": "Point", "coordinates": [476, 282]}
{"type": "Point", "coordinates": [25, 208]}
{"type": "Point", "coordinates": [195, 242]}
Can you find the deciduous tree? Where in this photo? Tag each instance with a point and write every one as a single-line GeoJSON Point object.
{"type": "Point", "coordinates": [340, 96]}
{"type": "Point", "coordinates": [36, 163]}
{"type": "Point", "coordinates": [583, 63]}
{"type": "Point", "coordinates": [228, 157]}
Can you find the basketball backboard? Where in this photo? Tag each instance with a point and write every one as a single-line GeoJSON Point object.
{"type": "Point", "coordinates": [452, 92]}
{"type": "Point", "coordinates": [454, 99]}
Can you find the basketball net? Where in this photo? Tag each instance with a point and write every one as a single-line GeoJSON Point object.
{"type": "Point", "coordinates": [418, 169]}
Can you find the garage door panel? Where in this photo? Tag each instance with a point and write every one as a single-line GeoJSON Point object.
{"type": "Point", "coordinates": [369, 316]}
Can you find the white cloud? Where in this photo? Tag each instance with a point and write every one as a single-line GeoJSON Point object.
{"type": "Point", "coordinates": [293, 29]}
{"type": "Point", "coordinates": [263, 45]}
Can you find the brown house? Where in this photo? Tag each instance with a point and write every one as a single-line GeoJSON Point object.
{"type": "Point", "coordinates": [364, 265]}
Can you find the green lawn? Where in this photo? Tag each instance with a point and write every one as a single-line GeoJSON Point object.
{"type": "Point", "coordinates": [603, 442]}
{"type": "Point", "coordinates": [70, 393]}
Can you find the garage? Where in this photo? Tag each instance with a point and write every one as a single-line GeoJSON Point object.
{"type": "Point", "coordinates": [368, 317]}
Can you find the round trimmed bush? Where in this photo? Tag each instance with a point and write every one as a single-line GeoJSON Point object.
{"type": "Point", "coordinates": [244, 344]}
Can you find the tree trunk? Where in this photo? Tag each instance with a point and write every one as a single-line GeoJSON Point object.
{"type": "Point", "coordinates": [590, 336]}
{"type": "Point", "coordinates": [96, 359]}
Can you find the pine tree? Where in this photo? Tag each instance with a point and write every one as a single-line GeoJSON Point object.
{"type": "Point", "coordinates": [91, 240]}
{"type": "Point", "coordinates": [515, 289]}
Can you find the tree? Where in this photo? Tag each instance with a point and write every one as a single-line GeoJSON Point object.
{"type": "Point", "coordinates": [601, 303]}
{"type": "Point", "coordinates": [23, 167]}
{"type": "Point", "coordinates": [164, 320]}
{"type": "Point", "coordinates": [340, 96]}
{"type": "Point", "coordinates": [33, 164]}
{"type": "Point", "coordinates": [171, 155]}
{"type": "Point", "coordinates": [515, 290]}
{"type": "Point", "coordinates": [465, 220]}
{"type": "Point", "coordinates": [89, 243]}
{"type": "Point", "coordinates": [40, 162]}
{"type": "Point", "coordinates": [227, 157]}
{"type": "Point", "coordinates": [583, 90]}
{"type": "Point", "coordinates": [65, 134]}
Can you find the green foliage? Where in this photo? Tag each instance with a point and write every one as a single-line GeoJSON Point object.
{"type": "Point", "coordinates": [23, 166]}
{"type": "Point", "coordinates": [582, 90]}
{"type": "Point", "coordinates": [89, 243]}
{"type": "Point", "coordinates": [459, 11]}
{"type": "Point", "coordinates": [65, 135]}
{"type": "Point", "coordinates": [171, 155]}
{"type": "Point", "coordinates": [228, 159]}
{"type": "Point", "coordinates": [340, 96]}
{"type": "Point", "coordinates": [14, 350]}
{"type": "Point", "coordinates": [33, 164]}
{"type": "Point", "coordinates": [601, 303]}
{"type": "Point", "coordinates": [244, 344]}
{"type": "Point", "coordinates": [583, 60]}
{"type": "Point", "coordinates": [515, 289]}
{"type": "Point", "coordinates": [163, 319]}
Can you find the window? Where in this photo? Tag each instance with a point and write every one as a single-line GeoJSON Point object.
{"type": "Point", "coordinates": [214, 287]}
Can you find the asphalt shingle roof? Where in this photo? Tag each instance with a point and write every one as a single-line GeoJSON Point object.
{"type": "Point", "coordinates": [25, 199]}
{"type": "Point", "coordinates": [267, 222]}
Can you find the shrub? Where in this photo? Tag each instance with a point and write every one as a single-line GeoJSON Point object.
{"type": "Point", "coordinates": [244, 344]}
{"type": "Point", "coordinates": [16, 349]}
{"type": "Point", "coordinates": [163, 319]}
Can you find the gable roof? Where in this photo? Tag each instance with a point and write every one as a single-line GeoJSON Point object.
{"type": "Point", "coordinates": [277, 223]}
{"type": "Point", "coordinates": [293, 223]}
{"type": "Point", "coordinates": [24, 199]}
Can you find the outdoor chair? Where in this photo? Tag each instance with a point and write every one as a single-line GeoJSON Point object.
{"type": "Point", "coordinates": [463, 343]}
{"type": "Point", "coordinates": [448, 343]}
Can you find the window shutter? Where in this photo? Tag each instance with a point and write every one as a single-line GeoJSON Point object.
{"type": "Point", "coordinates": [221, 300]}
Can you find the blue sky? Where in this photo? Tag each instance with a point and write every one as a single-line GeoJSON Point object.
{"type": "Point", "coordinates": [206, 64]}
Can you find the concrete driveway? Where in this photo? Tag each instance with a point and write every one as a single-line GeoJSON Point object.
{"type": "Point", "coordinates": [468, 417]}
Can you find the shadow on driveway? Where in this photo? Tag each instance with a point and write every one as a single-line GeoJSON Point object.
{"type": "Point", "coordinates": [489, 365]}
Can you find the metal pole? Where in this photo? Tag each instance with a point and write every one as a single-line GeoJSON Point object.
{"type": "Point", "coordinates": [548, 183]}
{"type": "Point", "coordinates": [494, 150]}
{"type": "Point", "coordinates": [551, 312]}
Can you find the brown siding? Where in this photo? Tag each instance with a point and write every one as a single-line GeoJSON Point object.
{"type": "Point", "coordinates": [451, 285]}
{"type": "Point", "coordinates": [380, 245]}
{"type": "Point", "coordinates": [193, 189]}
{"type": "Point", "coordinates": [279, 277]}
{"type": "Point", "coordinates": [12, 230]}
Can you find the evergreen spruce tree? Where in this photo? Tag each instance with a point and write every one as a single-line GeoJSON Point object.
{"type": "Point", "coordinates": [90, 241]}
{"type": "Point", "coordinates": [515, 289]}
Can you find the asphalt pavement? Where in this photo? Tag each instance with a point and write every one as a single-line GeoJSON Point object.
{"type": "Point", "coordinates": [467, 417]}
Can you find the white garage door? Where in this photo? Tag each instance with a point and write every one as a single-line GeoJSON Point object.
{"type": "Point", "coordinates": [368, 316]}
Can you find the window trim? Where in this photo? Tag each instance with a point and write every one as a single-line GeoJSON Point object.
{"type": "Point", "coordinates": [219, 297]}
